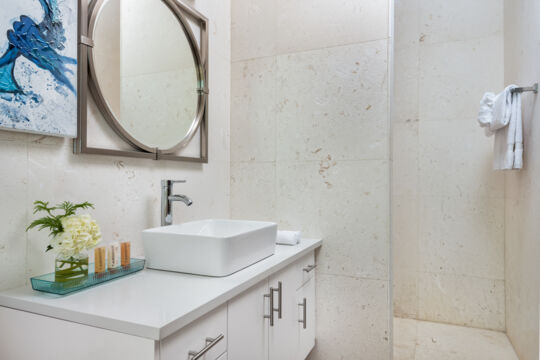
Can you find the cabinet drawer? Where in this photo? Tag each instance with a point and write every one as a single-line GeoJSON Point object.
{"type": "Point", "coordinates": [305, 269]}
{"type": "Point", "coordinates": [198, 335]}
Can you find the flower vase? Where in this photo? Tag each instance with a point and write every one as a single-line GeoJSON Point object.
{"type": "Point", "coordinates": [71, 268]}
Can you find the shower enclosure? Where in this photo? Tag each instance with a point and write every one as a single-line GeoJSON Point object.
{"type": "Point", "coordinates": [458, 262]}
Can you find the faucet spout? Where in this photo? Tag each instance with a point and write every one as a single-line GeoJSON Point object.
{"type": "Point", "coordinates": [183, 198]}
{"type": "Point", "coordinates": [167, 200]}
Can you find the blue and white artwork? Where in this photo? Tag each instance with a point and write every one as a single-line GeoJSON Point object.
{"type": "Point", "coordinates": [38, 66]}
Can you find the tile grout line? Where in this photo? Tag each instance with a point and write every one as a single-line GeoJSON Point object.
{"type": "Point", "coordinates": [418, 171]}
{"type": "Point", "coordinates": [276, 142]}
{"type": "Point", "coordinates": [367, 278]}
{"type": "Point", "coordinates": [458, 275]}
{"type": "Point", "coordinates": [288, 53]}
{"type": "Point", "coordinates": [26, 211]}
{"type": "Point", "coordinates": [415, 339]}
{"type": "Point", "coordinates": [390, 87]}
{"type": "Point", "coordinates": [454, 41]}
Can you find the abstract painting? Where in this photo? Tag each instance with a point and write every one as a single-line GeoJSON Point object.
{"type": "Point", "coordinates": [38, 66]}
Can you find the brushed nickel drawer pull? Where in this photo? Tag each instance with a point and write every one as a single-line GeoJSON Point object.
{"type": "Point", "coordinates": [210, 343]}
{"type": "Point", "coordinates": [304, 311]}
{"type": "Point", "coordinates": [310, 268]}
{"type": "Point", "coordinates": [280, 298]}
{"type": "Point", "coordinates": [271, 307]}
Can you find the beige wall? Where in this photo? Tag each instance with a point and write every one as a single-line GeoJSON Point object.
{"type": "Point", "coordinates": [522, 66]}
{"type": "Point", "coordinates": [310, 149]}
{"type": "Point", "coordinates": [448, 205]}
{"type": "Point", "coordinates": [126, 191]}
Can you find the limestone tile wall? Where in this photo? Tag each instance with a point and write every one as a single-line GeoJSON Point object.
{"type": "Point", "coordinates": [448, 205]}
{"type": "Point", "coordinates": [310, 150]}
{"type": "Point", "coordinates": [126, 191]}
{"type": "Point", "coordinates": [522, 215]}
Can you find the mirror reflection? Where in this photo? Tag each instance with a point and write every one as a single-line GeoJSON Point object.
{"type": "Point", "coordinates": [146, 71]}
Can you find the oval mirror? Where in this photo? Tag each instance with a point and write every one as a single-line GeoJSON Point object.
{"type": "Point", "coordinates": [146, 74]}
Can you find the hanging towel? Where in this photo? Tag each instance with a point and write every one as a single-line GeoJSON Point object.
{"type": "Point", "coordinates": [518, 147]}
{"type": "Point", "coordinates": [502, 109]}
{"type": "Point", "coordinates": [500, 115]}
{"type": "Point", "coordinates": [485, 116]}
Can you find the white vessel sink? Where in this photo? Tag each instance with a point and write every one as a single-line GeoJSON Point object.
{"type": "Point", "coordinates": [209, 247]}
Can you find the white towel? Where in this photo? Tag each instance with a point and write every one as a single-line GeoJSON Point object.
{"type": "Point", "coordinates": [501, 115]}
{"type": "Point", "coordinates": [485, 116]}
{"type": "Point", "coordinates": [288, 237]}
{"type": "Point", "coordinates": [502, 109]}
{"type": "Point", "coordinates": [518, 147]}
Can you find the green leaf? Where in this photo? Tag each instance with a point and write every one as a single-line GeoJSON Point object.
{"type": "Point", "coordinates": [54, 224]}
{"type": "Point", "coordinates": [42, 206]}
{"type": "Point", "coordinates": [70, 208]}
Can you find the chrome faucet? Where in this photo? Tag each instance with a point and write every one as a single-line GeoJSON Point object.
{"type": "Point", "coordinates": [167, 199]}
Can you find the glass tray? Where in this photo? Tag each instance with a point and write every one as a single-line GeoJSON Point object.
{"type": "Point", "coordinates": [47, 284]}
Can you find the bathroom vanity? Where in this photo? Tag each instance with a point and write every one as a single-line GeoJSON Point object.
{"type": "Point", "coordinates": [266, 312]}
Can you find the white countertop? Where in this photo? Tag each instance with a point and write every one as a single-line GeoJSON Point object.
{"type": "Point", "coordinates": [152, 304]}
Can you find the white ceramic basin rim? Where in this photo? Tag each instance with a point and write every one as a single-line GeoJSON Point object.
{"type": "Point", "coordinates": [209, 247]}
{"type": "Point", "coordinates": [212, 228]}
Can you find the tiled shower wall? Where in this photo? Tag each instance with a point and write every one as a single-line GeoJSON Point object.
{"type": "Point", "coordinates": [126, 191]}
{"type": "Point", "coordinates": [448, 204]}
{"type": "Point", "coordinates": [310, 150]}
{"type": "Point", "coordinates": [522, 59]}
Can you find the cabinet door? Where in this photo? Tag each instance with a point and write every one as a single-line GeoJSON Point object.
{"type": "Point", "coordinates": [248, 328]}
{"type": "Point", "coordinates": [283, 336]}
{"type": "Point", "coordinates": [305, 297]}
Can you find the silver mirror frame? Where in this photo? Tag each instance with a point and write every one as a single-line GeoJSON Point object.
{"type": "Point", "coordinates": [88, 80]}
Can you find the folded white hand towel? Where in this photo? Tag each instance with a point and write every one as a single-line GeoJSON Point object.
{"type": "Point", "coordinates": [288, 237]}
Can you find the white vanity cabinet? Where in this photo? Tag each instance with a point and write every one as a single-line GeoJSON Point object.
{"type": "Point", "coordinates": [264, 312]}
{"type": "Point", "coordinates": [267, 321]}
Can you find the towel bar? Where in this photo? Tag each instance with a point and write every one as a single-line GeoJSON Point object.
{"type": "Point", "coordinates": [533, 88]}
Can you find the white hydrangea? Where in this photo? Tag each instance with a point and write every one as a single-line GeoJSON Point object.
{"type": "Point", "coordinates": [81, 233]}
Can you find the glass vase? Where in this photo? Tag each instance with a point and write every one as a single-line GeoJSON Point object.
{"type": "Point", "coordinates": [71, 268]}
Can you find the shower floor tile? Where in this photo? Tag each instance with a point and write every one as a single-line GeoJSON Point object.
{"type": "Point", "coordinates": [422, 340]}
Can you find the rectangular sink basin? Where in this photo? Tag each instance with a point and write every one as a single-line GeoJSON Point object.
{"type": "Point", "coordinates": [209, 247]}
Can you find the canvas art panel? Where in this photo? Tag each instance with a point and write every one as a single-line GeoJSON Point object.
{"type": "Point", "coordinates": [38, 66]}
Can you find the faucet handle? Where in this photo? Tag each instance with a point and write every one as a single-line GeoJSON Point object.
{"type": "Point", "coordinates": [169, 183]}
